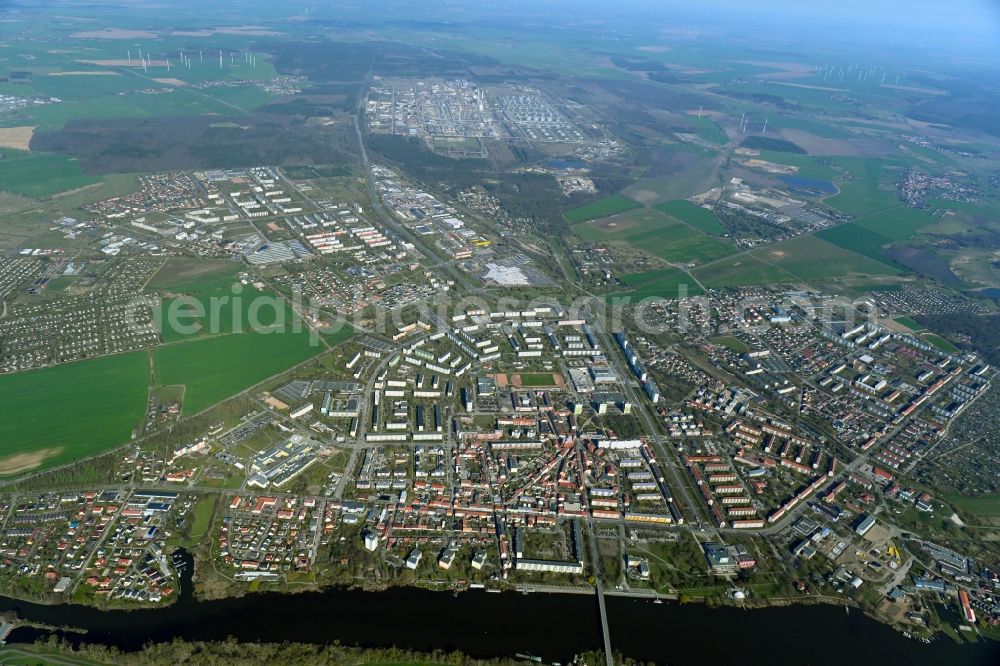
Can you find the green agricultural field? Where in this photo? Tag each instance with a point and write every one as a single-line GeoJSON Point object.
{"type": "Point", "coordinates": [215, 368]}
{"type": "Point", "coordinates": [243, 97]}
{"type": "Point", "coordinates": [637, 279]}
{"type": "Point", "coordinates": [811, 258]}
{"type": "Point", "coordinates": [660, 235]}
{"type": "Point", "coordinates": [131, 105]}
{"type": "Point", "coordinates": [709, 130]}
{"type": "Point", "coordinates": [740, 271]}
{"type": "Point", "coordinates": [692, 179]}
{"type": "Point", "coordinates": [898, 223]}
{"type": "Point", "coordinates": [601, 208]}
{"type": "Point", "coordinates": [855, 238]}
{"type": "Point", "coordinates": [207, 309]}
{"type": "Point", "coordinates": [194, 276]}
{"type": "Point", "coordinates": [808, 167]}
{"type": "Point", "coordinates": [806, 124]}
{"type": "Point", "coordinates": [70, 411]}
{"type": "Point", "coordinates": [770, 143]}
{"type": "Point", "coordinates": [691, 214]}
{"type": "Point", "coordinates": [41, 174]}
{"type": "Point", "coordinates": [665, 283]}
{"type": "Point", "coordinates": [110, 186]}
{"type": "Point", "coordinates": [626, 225]}
{"type": "Point", "coordinates": [863, 194]}
{"type": "Point", "coordinates": [691, 248]}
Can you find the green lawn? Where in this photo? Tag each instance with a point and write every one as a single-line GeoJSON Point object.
{"type": "Point", "coordinates": [202, 518]}
{"type": "Point", "coordinates": [73, 410]}
{"type": "Point", "coordinates": [700, 218]}
{"type": "Point", "coordinates": [982, 505]}
{"type": "Point", "coordinates": [30, 655]}
{"type": "Point", "coordinates": [601, 208]}
{"type": "Point", "coordinates": [940, 343]}
{"type": "Point", "coordinates": [909, 323]}
{"type": "Point", "coordinates": [735, 344]}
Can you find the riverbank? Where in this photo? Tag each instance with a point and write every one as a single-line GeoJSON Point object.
{"type": "Point", "coordinates": [231, 652]}
{"type": "Point", "coordinates": [481, 625]}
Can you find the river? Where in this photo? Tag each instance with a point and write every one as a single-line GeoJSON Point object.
{"type": "Point", "coordinates": [480, 624]}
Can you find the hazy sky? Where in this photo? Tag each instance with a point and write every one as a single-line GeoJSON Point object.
{"type": "Point", "coordinates": [978, 15]}
{"type": "Point", "coordinates": [949, 25]}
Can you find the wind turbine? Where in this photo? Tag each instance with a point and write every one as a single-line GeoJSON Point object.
{"type": "Point", "coordinates": [765, 126]}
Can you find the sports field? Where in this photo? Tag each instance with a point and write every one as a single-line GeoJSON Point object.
{"type": "Point", "coordinates": [70, 411]}
{"type": "Point", "coordinates": [531, 379]}
{"type": "Point", "coordinates": [601, 208]}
